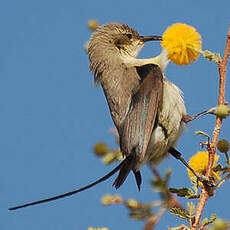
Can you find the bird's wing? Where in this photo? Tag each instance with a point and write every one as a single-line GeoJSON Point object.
{"type": "Point", "coordinates": [137, 127]}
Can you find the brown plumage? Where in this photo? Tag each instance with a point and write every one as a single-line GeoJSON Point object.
{"type": "Point", "coordinates": [136, 129]}
{"type": "Point", "coordinates": [134, 93]}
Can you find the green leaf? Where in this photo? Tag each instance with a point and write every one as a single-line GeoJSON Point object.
{"type": "Point", "coordinates": [191, 209]}
{"type": "Point", "coordinates": [194, 196]}
{"type": "Point", "coordinates": [217, 168]}
{"type": "Point", "coordinates": [207, 221]}
{"type": "Point", "coordinates": [182, 213]}
{"type": "Point", "coordinates": [184, 192]}
{"type": "Point", "coordinates": [199, 132]}
{"type": "Point", "coordinates": [136, 215]}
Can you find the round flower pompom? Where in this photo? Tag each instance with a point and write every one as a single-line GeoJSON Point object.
{"type": "Point", "coordinates": [183, 43]}
{"type": "Point", "coordinates": [199, 162]}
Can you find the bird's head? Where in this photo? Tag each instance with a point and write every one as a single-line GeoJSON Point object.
{"type": "Point", "coordinates": [112, 42]}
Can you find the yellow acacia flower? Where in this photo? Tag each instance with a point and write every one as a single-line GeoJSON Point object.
{"type": "Point", "coordinates": [182, 42]}
{"type": "Point", "coordinates": [199, 163]}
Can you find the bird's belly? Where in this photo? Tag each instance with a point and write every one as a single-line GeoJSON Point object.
{"type": "Point", "coordinates": [161, 142]}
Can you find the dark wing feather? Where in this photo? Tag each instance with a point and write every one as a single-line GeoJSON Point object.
{"type": "Point", "coordinates": [136, 129]}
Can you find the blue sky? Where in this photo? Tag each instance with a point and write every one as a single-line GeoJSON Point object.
{"type": "Point", "coordinates": [52, 115]}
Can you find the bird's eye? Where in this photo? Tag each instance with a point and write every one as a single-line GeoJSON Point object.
{"type": "Point", "coordinates": [129, 36]}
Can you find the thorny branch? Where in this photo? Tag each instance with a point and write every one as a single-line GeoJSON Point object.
{"type": "Point", "coordinates": [222, 65]}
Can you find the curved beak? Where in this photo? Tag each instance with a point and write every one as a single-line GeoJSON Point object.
{"type": "Point", "coordinates": [151, 38]}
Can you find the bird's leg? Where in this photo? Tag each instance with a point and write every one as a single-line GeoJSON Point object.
{"type": "Point", "coordinates": [200, 177]}
{"type": "Point", "coordinates": [187, 118]}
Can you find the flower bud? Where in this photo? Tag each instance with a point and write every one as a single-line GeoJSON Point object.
{"type": "Point", "coordinates": [93, 24]}
{"type": "Point", "coordinates": [100, 149]}
{"type": "Point", "coordinates": [109, 158]}
{"type": "Point", "coordinates": [222, 111]}
{"type": "Point", "coordinates": [132, 204]}
{"type": "Point", "coordinates": [223, 146]}
{"type": "Point", "coordinates": [107, 199]}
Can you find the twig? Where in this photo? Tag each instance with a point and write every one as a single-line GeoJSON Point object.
{"type": "Point", "coordinates": [181, 227]}
{"type": "Point", "coordinates": [153, 220]}
{"type": "Point", "coordinates": [222, 65]}
{"type": "Point", "coordinates": [223, 180]}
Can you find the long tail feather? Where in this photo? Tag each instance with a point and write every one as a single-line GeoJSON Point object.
{"type": "Point", "coordinates": [72, 192]}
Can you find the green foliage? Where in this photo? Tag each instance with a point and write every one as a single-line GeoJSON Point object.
{"type": "Point", "coordinates": [182, 213]}
{"type": "Point", "coordinates": [217, 168]}
{"type": "Point", "coordinates": [141, 214]}
{"type": "Point", "coordinates": [207, 221]}
{"type": "Point", "coordinates": [184, 192]}
{"type": "Point", "coordinates": [215, 57]}
{"type": "Point", "coordinates": [191, 209]}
